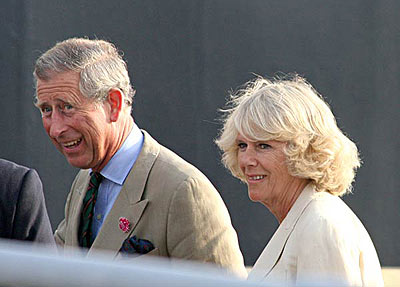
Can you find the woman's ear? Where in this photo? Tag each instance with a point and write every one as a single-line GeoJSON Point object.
{"type": "Point", "coordinates": [115, 101]}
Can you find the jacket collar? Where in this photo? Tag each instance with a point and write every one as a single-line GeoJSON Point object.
{"type": "Point", "coordinates": [272, 252]}
{"type": "Point", "coordinates": [129, 203]}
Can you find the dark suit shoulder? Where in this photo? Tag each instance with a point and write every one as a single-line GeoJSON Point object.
{"type": "Point", "coordinates": [11, 178]}
{"type": "Point", "coordinates": [10, 171]}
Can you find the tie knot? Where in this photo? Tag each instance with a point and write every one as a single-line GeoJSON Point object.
{"type": "Point", "coordinates": [95, 179]}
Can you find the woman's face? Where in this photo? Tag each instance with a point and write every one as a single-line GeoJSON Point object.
{"type": "Point", "coordinates": [264, 167]}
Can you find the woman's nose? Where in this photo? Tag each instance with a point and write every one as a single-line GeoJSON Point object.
{"type": "Point", "coordinates": [248, 157]}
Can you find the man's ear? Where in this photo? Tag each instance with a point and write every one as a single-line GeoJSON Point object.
{"type": "Point", "coordinates": [115, 101]}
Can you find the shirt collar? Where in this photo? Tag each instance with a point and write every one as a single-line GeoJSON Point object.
{"type": "Point", "coordinates": [118, 167]}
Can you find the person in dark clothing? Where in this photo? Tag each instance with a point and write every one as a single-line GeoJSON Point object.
{"type": "Point", "coordinates": [23, 214]}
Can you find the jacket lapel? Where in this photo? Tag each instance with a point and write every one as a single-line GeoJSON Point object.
{"type": "Point", "coordinates": [272, 252]}
{"type": "Point", "coordinates": [129, 203]}
{"type": "Point", "coordinates": [82, 184]}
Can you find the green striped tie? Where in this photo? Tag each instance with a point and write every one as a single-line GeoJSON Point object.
{"type": "Point", "coordinates": [85, 233]}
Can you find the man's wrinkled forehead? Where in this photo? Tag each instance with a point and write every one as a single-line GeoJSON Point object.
{"type": "Point", "coordinates": [61, 86]}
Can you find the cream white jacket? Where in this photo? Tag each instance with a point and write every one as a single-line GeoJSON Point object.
{"type": "Point", "coordinates": [321, 241]}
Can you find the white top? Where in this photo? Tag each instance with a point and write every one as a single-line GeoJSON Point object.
{"type": "Point", "coordinates": [320, 241]}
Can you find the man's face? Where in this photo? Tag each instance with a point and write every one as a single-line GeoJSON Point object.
{"type": "Point", "coordinates": [79, 128]}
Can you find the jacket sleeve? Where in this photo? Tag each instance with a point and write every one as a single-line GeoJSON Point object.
{"type": "Point", "coordinates": [199, 227]}
{"type": "Point", "coordinates": [31, 219]}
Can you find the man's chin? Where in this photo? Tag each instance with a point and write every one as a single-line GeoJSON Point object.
{"type": "Point", "coordinates": [78, 164]}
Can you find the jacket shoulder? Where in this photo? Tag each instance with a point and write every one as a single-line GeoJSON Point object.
{"type": "Point", "coordinates": [168, 165]}
{"type": "Point", "coordinates": [328, 221]}
{"type": "Point", "coordinates": [12, 177]}
{"type": "Point", "coordinates": [11, 171]}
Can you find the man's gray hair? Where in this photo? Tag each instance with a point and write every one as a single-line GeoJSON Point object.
{"type": "Point", "coordinates": [98, 62]}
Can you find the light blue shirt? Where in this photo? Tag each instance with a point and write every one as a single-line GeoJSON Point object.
{"type": "Point", "coordinates": [115, 173]}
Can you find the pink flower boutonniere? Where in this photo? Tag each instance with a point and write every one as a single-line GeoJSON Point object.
{"type": "Point", "coordinates": [124, 224]}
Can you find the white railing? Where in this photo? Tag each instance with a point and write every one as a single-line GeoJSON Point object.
{"type": "Point", "coordinates": [23, 265]}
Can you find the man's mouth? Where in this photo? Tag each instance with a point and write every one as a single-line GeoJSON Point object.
{"type": "Point", "coordinates": [72, 144]}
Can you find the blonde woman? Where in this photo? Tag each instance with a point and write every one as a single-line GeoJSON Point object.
{"type": "Point", "coordinates": [282, 140]}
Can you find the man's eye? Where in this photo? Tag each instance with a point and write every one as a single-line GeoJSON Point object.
{"type": "Point", "coordinates": [68, 107]}
{"type": "Point", "coordinates": [45, 110]}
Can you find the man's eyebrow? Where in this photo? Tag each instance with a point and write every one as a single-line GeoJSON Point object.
{"type": "Point", "coordinates": [39, 104]}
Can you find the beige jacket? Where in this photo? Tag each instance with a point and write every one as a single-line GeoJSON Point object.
{"type": "Point", "coordinates": [320, 240]}
{"type": "Point", "coordinates": [167, 201]}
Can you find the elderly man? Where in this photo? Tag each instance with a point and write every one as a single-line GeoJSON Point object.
{"type": "Point", "coordinates": [132, 195]}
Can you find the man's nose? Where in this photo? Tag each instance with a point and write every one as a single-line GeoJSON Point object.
{"type": "Point", "coordinates": [57, 126]}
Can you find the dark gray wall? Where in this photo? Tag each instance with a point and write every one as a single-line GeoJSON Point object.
{"type": "Point", "coordinates": [184, 56]}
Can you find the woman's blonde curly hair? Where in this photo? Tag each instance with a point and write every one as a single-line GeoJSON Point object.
{"type": "Point", "coordinates": [290, 110]}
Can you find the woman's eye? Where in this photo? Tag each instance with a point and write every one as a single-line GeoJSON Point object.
{"type": "Point", "coordinates": [242, 145]}
{"type": "Point", "coordinates": [264, 146]}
